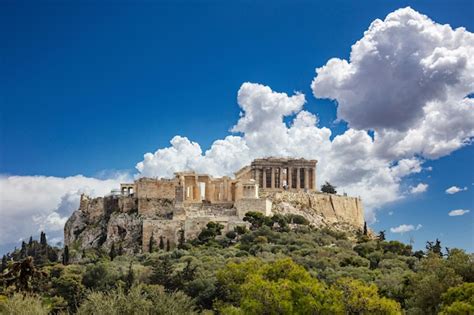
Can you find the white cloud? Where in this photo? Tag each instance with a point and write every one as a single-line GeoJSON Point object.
{"type": "Point", "coordinates": [420, 188]}
{"type": "Point", "coordinates": [408, 79]}
{"type": "Point", "coordinates": [404, 228]}
{"type": "Point", "coordinates": [458, 212]}
{"type": "Point", "coordinates": [455, 189]}
{"type": "Point", "coordinates": [29, 204]}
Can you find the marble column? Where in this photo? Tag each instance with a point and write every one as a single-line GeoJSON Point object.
{"type": "Point", "coordinates": [264, 179]}
{"type": "Point", "coordinates": [281, 178]}
{"type": "Point", "coordinates": [306, 178]}
{"type": "Point", "coordinates": [290, 180]}
{"type": "Point", "coordinates": [298, 178]}
{"type": "Point", "coordinates": [273, 178]}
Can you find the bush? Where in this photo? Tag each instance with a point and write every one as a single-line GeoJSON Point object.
{"type": "Point", "coordinates": [21, 304]}
{"type": "Point", "coordinates": [139, 300]}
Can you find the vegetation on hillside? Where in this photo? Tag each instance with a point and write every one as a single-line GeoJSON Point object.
{"type": "Point", "coordinates": [280, 265]}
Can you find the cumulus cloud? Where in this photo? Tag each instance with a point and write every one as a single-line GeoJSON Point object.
{"type": "Point", "coordinates": [420, 188]}
{"type": "Point", "coordinates": [404, 228]}
{"type": "Point", "coordinates": [458, 212]}
{"type": "Point", "coordinates": [455, 189]}
{"type": "Point", "coordinates": [408, 78]}
{"type": "Point", "coordinates": [30, 204]}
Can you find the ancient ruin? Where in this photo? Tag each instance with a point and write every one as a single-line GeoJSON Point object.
{"type": "Point", "coordinates": [151, 209]}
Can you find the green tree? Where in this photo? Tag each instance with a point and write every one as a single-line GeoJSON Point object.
{"type": "Point", "coordinates": [432, 279]}
{"type": "Point", "coordinates": [43, 241]}
{"type": "Point", "coordinates": [4, 264]}
{"type": "Point", "coordinates": [130, 276]}
{"type": "Point", "coordinates": [151, 244]}
{"type": "Point", "coordinates": [381, 236]}
{"type": "Point", "coordinates": [162, 243]}
{"type": "Point", "coordinates": [113, 252]}
{"type": "Point", "coordinates": [328, 188]}
{"type": "Point", "coordinates": [434, 247]}
{"type": "Point", "coordinates": [66, 255]}
{"type": "Point", "coordinates": [458, 300]}
{"type": "Point", "coordinates": [362, 298]}
{"type": "Point", "coordinates": [181, 239]}
{"type": "Point", "coordinates": [210, 232]}
{"type": "Point", "coordinates": [282, 287]}
{"type": "Point", "coordinates": [162, 273]}
{"type": "Point", "coordinates": [168, 245]}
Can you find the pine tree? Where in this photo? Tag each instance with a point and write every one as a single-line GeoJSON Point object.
{"type": "Point", "coordinates": [168, 246]}
{"type": "Point", "coordinates": [43, 241]}
{"type": "Point", "coordinates": [381, 236]}
{"type": "Point", "coordinates": [23, 250]}
{"type": "Point", "coordinates": [112, 253]}
{"type": "Point", "coordinates": [151, 244]}
{"type": "Point", "coordinates": [162, 243]}
{"type": "Point", "coordinates": [365, 228]}
{"type": "Point", "coordinates": [30, 242]}
{"type": "Point", "coordinates": [66, 255]}
{"type": "Point", "coordinates": [120, 250]}
{"type": "Point", "coordinates": [4, 264]}
{"type": "Point", "coordinates": [181, 239]}
{"type": "Point", "coordinates": [328, 188]}
{"type": "Point", "coordinates": [162, 273]}
{"type": "Point", "coordinates": [130, 277]}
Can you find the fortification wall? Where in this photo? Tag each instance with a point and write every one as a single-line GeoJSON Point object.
{"type": "Point", "coordinates": [155, 188]}
{"type": "Point", "coordinates": [319, 207]}
{"type": "Point", "coordinates": [127, 204]}
{"type": "Point", "coordinates": [155, 207]}
{"type": "Point", "coordinates": [261, 205]}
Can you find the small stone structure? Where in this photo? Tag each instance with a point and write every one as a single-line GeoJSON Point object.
{"type": "Point", "coordinates": [184, 204]}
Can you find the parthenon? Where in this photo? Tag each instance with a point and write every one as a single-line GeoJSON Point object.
{"type": "Point", "coordinates": [284, 173]}
{"type": "Point", "coordinates": [266, 174]}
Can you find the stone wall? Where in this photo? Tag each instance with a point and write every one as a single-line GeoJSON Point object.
{"type": "Point", "coordinates": [155, 188]}
{"type": "Point", "coordinates": [168, 229]}
{"type": "Point", "coordinates": [261, 205]}
{"type": "Point", "coordinates": [127, 204]}
{"type": "Point", "coordinates": [155, 207]}
{"type": "Point", "coordinates": [319, 208]}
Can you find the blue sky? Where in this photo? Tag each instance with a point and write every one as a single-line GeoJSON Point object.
{"type": "Point", "coordinates": [89, 88]}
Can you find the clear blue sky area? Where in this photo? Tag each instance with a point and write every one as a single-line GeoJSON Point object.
{"type": "Point", "coordinates": [88, 86]}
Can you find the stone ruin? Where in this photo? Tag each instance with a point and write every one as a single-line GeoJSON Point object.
{"type": "Point", "coordinates": [166, 208]}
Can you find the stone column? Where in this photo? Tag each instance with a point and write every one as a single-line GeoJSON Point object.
{"type": "Point", "coordinates": [306, 178]}
{"type": "Point", "coordinates": [273, 178]}
{"type": "Point", "coordinates": [298, 179]}
{"type": "Point", "coordinates": [257, 176]}
{"type": "Point", "coordinates": [281, 178]}
{"type": "Point", "coordinates": [314, 179]}
{"type": "Point", "coordinates": [290, 180]}
{"type": "Point", "coordinates": [197, 189]}
{"type": "Point", "coordinates": [264, 179]}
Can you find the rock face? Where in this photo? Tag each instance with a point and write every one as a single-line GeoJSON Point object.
{"type": "Point", "coordinates": [101, 222]}
{"type": "Point", "coordinates": [118, 220]}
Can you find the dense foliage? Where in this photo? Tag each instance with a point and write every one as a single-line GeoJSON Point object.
{"type": "Point", "coordinates": [280, 265]}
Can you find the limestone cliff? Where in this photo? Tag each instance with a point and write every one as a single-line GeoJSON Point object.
{"type": "Point", "coordinates": [129, 222]}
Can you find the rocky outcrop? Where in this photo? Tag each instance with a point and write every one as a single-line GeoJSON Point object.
{"type": "Point", "coordinates": [319, 209]}
{"type": "Point", "coordinates": [103, 221]}
{"type": "Point", "coordinates": [129, 223]}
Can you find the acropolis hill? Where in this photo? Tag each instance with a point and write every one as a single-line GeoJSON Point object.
{"type": "Point", "coordinates": [165, 208]}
